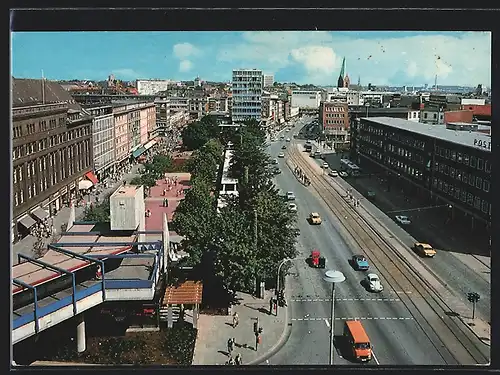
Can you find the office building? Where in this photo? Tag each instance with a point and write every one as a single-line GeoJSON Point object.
{"type": "Point", "coordinates": [334, 122]}
{"type": "Point", "coordinates": [103, 136]}
{"type": "Point", "coordinates": [306, 99]}
{"type": "Point", "coordinates": [267, 80]}
{"type": "Point", "coordinates": [247, 95]}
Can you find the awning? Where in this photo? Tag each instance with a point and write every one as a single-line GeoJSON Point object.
{"type": "Point", "coordinates": [27, 222]}
{"type": "Point", "coordinates": [150, 144]}
{"type": "Point", "coordinates": [92, 177]}
{"type": "Point", "coordinates": [85, 184]}
{"type": "Point", "coordinates": [40, 214]}
{"type": "Point", "coordinates": [138, 152]}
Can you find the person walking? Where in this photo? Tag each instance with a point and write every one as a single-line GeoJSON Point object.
{"type": "Point", "coordinates": [230, 346]}
{"type": "Point", "coordinates": [237, 359]}
{"type": "Point", "coordinates": [235, 320]}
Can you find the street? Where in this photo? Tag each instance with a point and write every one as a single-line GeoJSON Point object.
{"type": "Point", "coordinates": [395, 334]}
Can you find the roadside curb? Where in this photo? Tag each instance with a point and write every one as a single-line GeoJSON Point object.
{"type": "Point", "coordinates": [279, 344]}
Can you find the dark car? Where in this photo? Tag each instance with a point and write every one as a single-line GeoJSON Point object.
{"type": "Point", "coordinates": [360, 262]}
{"type": "Point", "coordinates": [277, 170]}
{"type": "Point", "coordinates": [283, 147]}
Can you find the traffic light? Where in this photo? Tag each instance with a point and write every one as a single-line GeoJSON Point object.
{"type": "Point", "coordinates": [473, 297]}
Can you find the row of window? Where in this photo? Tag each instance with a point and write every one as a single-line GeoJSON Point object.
{"type": "Point", "coordinates": [334, 109]}
{"type": "Point", "coordinates": [410, 141]}
{"type": "Point", "coordinates": [405, 153]}
{"type": "Point", "coordinates": [460, 175]}
{"type": "Point", "coordinates": [472, 161]}
{"type": "Point", "coordinates": [337, 122]}
{"type": "Point", "coordinates": [336, 115]}
{"type": "Point", "coordinates": [462, 194]}
{"type": "Point", "coordinates": [407, 169]}
{"type": "Point", "coordinates": [372, 140]}
{"type": "Point", "coordinates": [32, 128]}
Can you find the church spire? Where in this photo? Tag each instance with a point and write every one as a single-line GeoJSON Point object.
{"type": "Point", "coordinates": [340, 82]}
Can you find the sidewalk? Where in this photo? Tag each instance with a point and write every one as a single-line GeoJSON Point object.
{"type": "Point", "coordinates": [215, 330]}
{"type": "Point", "coordinates": [25, 246]}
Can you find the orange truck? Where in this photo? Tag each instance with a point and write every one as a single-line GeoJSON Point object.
{"type": "Point", "coordinates": [358, 340]}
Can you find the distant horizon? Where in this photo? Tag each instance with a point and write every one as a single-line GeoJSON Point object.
{"type": "Point", "coordinates": [315, 57]}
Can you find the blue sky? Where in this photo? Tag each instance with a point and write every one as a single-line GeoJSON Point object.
{"type": "Point", "coordinates": [380, 58]}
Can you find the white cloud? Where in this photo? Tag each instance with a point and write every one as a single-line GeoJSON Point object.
{"type": "Point", "coordinates": [184, 50]}
{"type": "Point", "coordinates": [185, 66]}
{"type": "Point", "coordinates": [457, 58]}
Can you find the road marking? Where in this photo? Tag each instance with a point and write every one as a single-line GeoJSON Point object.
{"type": "Point", "coordinates": [355, 318]}
{"type": "Point", "coordinates": [345, 299]}
{"type": "Point", "coordinates": [327, 323]}
{"type": "Point", "coordinates": [375, 358]}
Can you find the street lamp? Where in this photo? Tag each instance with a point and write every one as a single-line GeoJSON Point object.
{"type": "Point", "coordinates": [333, 277]}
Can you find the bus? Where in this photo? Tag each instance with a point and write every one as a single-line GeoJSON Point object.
{"type": "Point", "coordinates": [349, 167]}
{"type": "Point", "coordinates": [308, 147]}
{"type": "Point", "coordinates": [358, 340]}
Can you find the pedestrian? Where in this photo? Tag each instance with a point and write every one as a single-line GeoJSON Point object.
{"type": "Point", "coordinates": [164, 192]}
{"type": "Point", "coordinates": [271, 305]}
{"type": "Point", "coordinates": [166, 202]}
{"type": "Point", "coordinates": [235, 320]}
{"type": "Point", "coordinates": [230, 346]}
{"type": "Point", "coordinates": [238, 360]}
{"type": "Point", "coordinates": [257, 340]}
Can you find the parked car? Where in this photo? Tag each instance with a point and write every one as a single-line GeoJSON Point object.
{"type": "Point", "coordinates": [403, 220]}
{"type": "Point", "coordinates": [290, 196]}
{"type": "Point", "coordinates": [325, 165]}
{"type": "Point", "coordinates": [343, 174]}
{"type": "Point", "coordinates": [281, 155]}
{"type": "Point", "coordinates": [360, 262]}
{"type": "Point", "coordinates": [315, 218]}
{"type": "Point", "coordinates": [276, 170]}
{"type": "Point", "coordinates": [283, 147]}
{"type": "Point", "coordinates": [292, 206]}
{"type": "Point", "coordinates": [333, 173]}
{"type": "Point", "coordinates": [288, 139]}
{"type": "Point", "coordinates": [424, 249]}
{"type": "Point", "coordinates": [373, 284]}
{"type": "Point", "coordinates": [275, 161]}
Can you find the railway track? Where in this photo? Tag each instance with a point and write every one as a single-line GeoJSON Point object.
{"type": "Point", "coordinates": [429, 312]}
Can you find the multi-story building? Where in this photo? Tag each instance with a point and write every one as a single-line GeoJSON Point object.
{"type": "Point", "coordinates": [436, 105]}
{"type": "Point", "coordinates": [198, 106]}
{"type": "Point", "coordinates": [179, 103]}
{"type": "Point", "coordinates": [306, 99]}
{"type": "Point", "coordinates": [162, 114]}
{"type": "Point", "coordinates": [103, 137]}
{"type": "Point", "coordinates": [448, 167]}
{"type": "Point", "coordinates": [267, 80]}
{"type": "Point", "coordinates": [51, 151]}
{"type": "Point", "coordinates": [356, 112]}
{"type": "Point", "coordinates": [151, 86]}
{"type": "Point", "coordinates": [122, 140]}
{"type": "Point", "coordinates": [334, 122]}
{"type": "Point", "coordinates": [246, 93]}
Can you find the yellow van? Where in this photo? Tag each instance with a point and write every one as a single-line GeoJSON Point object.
{"type": "Point", "coordinates": [358, 340]}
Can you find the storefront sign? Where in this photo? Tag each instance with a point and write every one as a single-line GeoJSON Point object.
{"type": "Point", "coordinates": [482, 143]}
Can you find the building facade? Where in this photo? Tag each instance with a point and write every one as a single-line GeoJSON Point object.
{"type": "Point", "coordinates": [334, 122]}
{"type": "Point", "coordinates": [103, 137]}
{"type": "Point", "coordinates": [446, 166]}
{"type": "Point", "coordinates": [122, 137]}
{"type": "Point", "coordinates": [151, 86]}
{"type": "Point", "coordinates": [247, 95]}
{"type": "Point", "coordinates": [162, 114]}
{"type": "Point", "coordinates": [51, 151]}
{"type": "Point", "coordinates": [306, 99]}
{"type": "Point", "coordinates": [267, 80]}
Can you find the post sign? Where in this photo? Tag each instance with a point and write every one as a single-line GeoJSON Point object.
{"type": "Point", "coordinates": [482, 143]}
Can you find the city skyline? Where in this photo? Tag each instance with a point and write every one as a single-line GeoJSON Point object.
{"type": "Point", "coordinates": [380, 58]}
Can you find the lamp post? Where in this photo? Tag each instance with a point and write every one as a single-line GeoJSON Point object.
{"type": "Point", "coordinates": [278, 278]}
{"type": "Point", "coordinates": [333, 277]}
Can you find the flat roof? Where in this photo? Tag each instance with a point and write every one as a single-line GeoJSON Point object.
{"type": "Point", "coordinates": [125, 191]}
{"type": "Point", "coordinates": [464, 138]}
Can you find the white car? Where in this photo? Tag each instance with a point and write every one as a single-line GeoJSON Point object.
{"type": "Point", "coordinates": [288, 139]}
{"type": "Point", "coordinates": [403, 220]}
{"type": "Point", "coordinates": [290, 196]}
{"type": "Point", "coordinates": [343, 174]}
{"type": "Point", "coordinates": [292, 207]}
{"type": "Point", "coordinates": [325, 165]}
{"type": "Point", "coordinates": [373, 283]}
{"type": "Point", "coordinates": [281, 155]}
{"type": "Point", "coordinates": [333, 173]}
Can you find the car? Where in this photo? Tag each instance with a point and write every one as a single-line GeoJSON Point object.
{"type": "Point", "coordinates": [424, 249]}
{"type": "Point", "coordinates": [333, 173]}
{"type": "Point", "coordinates": [343, 174]}
{"type": "Point", "coordinates": [275, 161]}
{"type": "Point", "coordinates": [283, 147]}
{"type": "Point", "coordinates": [403, 220]}
{"type": "Point", "coordinates": [290, 196]}
{"type": "Point", "coordinates": [325, 165]}
{"type": "Point", "coordinates": [373, 284]}
{"type": "Point", "coordinates": [282, 137]}
{"type": "Point", "coordinates": [315, 218]}
{"type": "Point", "coordinates": [360, 262]}
{"type": "Point", "coordinates": [288, 139]}
{"type": "Point", "coordinates": [281, 155]}
{"type": "Point", "coordinates": [276, 170]}
{"type": "Point", "coordinates": [292, 206]}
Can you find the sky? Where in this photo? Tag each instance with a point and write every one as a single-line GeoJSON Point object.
{"type": "Point", "coordinates": [381, 58]}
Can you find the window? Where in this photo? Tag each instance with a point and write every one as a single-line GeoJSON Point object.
{"type": "Point", "coordinates": [465, 177]}
{"type": "Point", "coordinates": [15, 176]}
{"type": "Point", "coordinates": [442, 152]}
{"type": "Point", "coordinates": [447, 154]}
{"type": "Point", "coordinates": [452, 172]}
{"type": "Point", "coordinates": [477, 203]}
{"type": "Point", "coordinates": [484, 206]}
{"type": "Point", "coordinates": [487, 166]}
{"type": "Point", "coordinates": [457, 192]}
{"type": "Point", "coordinates": [16, 199]}
{"type": "Point", "coordinates": [435, 115]}
{"type": "Point", "coordinates": [479, 182]}
{"type": "Point", "coordinates": [463, 195]}
{"type": "Point", "coordinates": [446, 169]}
{"type": "Point", "coordinates": [451, 189]}
{"type": "Point", "coordinates": [473, 161]}
{"type": "Point", "coordinates": [453, 155]}
{"type": "Point", "coordinates": [441, 168]}
{"type": "Point", "coordinates": [470, 199]}
{"type": "Point", "coordinates": [440, 185]}
{"type": "Point", "coordinates": [459, 157]}
{"type": "Point", "coordinates": [472, 179]}
{"type": "Point", "coordinates": [445, 187]}
{"type": "Point", "coordinates": [480, 164]}
{"type": "Point", "coordinates": [434, 182]}
{"type": "Point", "coordinates": [466, 159]}
{"type": "Point", "coordinates": [486, 185]}
{"type": "Point", "coordinates": [29, 191]}
{"type": "Point", "coordinates": [425, 114]}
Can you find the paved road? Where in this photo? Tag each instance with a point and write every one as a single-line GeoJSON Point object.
{"type": "Point", "coordinates": [397, 338]}
{"type": "Point", "coordinates": [462, 273]}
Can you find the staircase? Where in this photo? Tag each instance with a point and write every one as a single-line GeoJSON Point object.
{"type": "Point", "coordinates": [175, 313]}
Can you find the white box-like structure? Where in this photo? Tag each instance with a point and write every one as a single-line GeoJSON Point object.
{"type": "Point", "coordinates": [127, 208]}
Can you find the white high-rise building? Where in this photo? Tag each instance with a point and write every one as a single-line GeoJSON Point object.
{"type": "Point", "coordinates": [268, 80]}
{"type": "Point", "coordinates": [247, 95]}
{"type": "Point", "coordinates": [151, 86]}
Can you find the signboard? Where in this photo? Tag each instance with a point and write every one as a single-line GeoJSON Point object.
{"type": "Point", "coordinates": [482, 143]}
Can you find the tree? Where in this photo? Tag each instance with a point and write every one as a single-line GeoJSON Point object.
{"type": "Point", "coordinates": [98, 213]}
{"type": "Point", "coordinates": [194, 136]}
{"type": "Point", "coordinates": [147, 179]}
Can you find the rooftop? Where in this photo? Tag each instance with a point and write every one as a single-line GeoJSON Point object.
{"type": "Point", "coordinates": [125, 191]}
{"type": "Point", "coordinates": [469, 139]}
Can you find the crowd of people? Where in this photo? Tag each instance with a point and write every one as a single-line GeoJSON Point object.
{"type": "Point", "coordinates": [43, 229]}
{"type": "Point", "coordinates": [302, 176]}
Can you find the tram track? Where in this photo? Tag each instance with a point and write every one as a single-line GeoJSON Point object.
{"type": "Point", "coordinates": [425, 306]}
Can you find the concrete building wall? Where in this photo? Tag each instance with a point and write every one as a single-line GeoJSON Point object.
{"type": "Point", "coordinates": [246, 94]}
{"type": "Point", "coordinates": [103, 133]}
{"type": "Point", "coordinates": [306, 99]}
{"type": "Point", "coordinates": [127, 208]}
{"type": "Point", "coordinates": [122, 136]}
{"type": "Point", "coordinates": [143, 131]}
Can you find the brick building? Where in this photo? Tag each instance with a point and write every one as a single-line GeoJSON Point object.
{"type": "Point", "coordinates": [334, 122]}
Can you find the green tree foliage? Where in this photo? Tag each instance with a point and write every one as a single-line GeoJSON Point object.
{"type": "Point", "coordinates": [97, 212]}
{"type": "Point", "coordinates": [196, 134]}
{"type": "Point", "coordinates": [159, 165]}
{"type": "Point", "coordinates": [203, 162]}
{"type": "Point", "coordinates": [146, 179]}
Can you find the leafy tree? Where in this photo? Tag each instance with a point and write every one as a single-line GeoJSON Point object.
{"type": "Point", "coordinates": [98, 212]}
{"type": "Point", "coordinates": [147, 179]}
{"type": "Point", "coordinates": [194, 136]}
